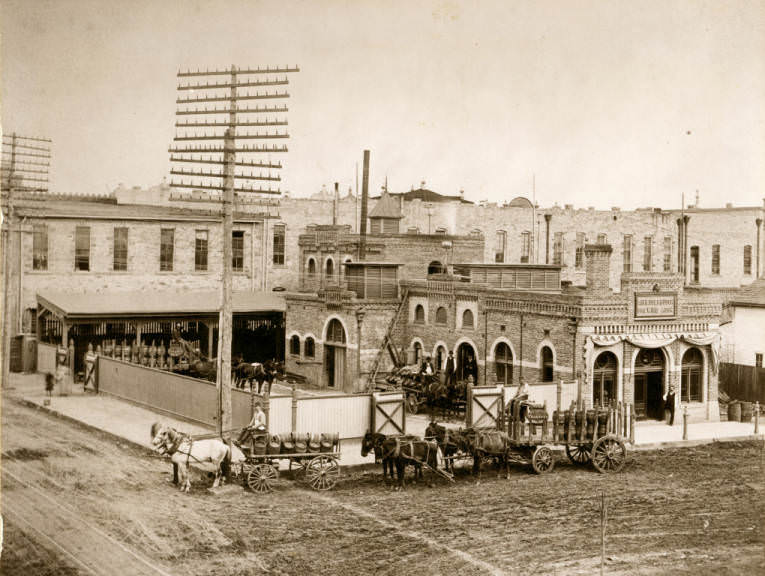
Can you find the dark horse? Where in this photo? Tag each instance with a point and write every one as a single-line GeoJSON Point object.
{"type": "Point", "coordinates": [257, 372]}
{"type": "Point", "coordinates": [451, 442]}
{"type": "Point", "coordinates": [402, 451]}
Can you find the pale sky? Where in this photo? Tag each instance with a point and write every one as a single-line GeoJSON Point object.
{"type": "Point", "coordinates": [605, 102]}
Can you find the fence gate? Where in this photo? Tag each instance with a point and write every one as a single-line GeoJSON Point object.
{"type": "Point", "coordinates": [486, 405]}
{"type": "Point", "coordinates": [388, 413]}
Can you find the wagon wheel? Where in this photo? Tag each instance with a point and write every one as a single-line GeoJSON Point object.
{"type": "Point", "coordinates": [411, 404]}
{"type": "Point", "coordinates": [300, 469]}
{"type": "Point", "coordinates": [543, 460]}
{"type": "Point", "coordinates": [322, 472]}
{"type": "Point", "coordinates": [261, 477]}
{"type": "Point", "coordinates": [578, 453]}
{"type": "Point", "coordinates": [608, 454]}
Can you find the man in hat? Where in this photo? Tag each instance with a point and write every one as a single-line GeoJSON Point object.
{"type": "Point", "coordinates": [256, 427]}
{"type": "Point", "coordinates": [669, 404]}
{"type": "Point", "coordinates": [450, 371]}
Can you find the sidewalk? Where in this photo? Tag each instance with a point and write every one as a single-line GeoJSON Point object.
{"type": "Point", "coordinates": [133, 423]}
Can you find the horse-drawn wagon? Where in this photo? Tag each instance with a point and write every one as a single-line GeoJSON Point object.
{"type": "Point", "coordinates": [427, 390]}
{"type": "Point", "coordinates": [315, 458]}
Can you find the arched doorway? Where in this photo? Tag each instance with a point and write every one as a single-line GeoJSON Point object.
{"type": "Point", "coordinates": [690, 376]}
{"type": "Point", "coordinates": [436, 267]}
{"type": "Point", "coordinates": [440, 359]}
{"type": "Point", "coordinates": [417, 347]}
{"type": "Point", "coordinates": [334, 354]}
{"type": "Point", "coordinates": [466, 362]}
{"type": "Point", "coordinates": [604, 379]}
{"type": "Point", "coordinates": [649, 383]}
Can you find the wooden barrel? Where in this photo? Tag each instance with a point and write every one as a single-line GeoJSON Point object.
{"type": "Point", "coordinates": [288, 444]}
{"type": "Point", "coordinates": [591, 419]}
{"type": "Point", "coordinates": [274, 444]}
{"type": "Point", "coordinates": [325, 442]}
{"type": "Point", "coordinates": [734, 412]}
{"type": "Point", "coordinates": [301, 443]}
{"type": "Point", "coordinates": [314, 444]}
{"type": "Point", "coordinates": [259, 444]}
{"type": "Point", "coordinates": [746, 412]}
{"type": "Point", "coordinates": [602, 422]}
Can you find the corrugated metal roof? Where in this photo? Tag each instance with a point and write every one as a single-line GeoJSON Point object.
{"type": "Point", "coordinates": [163, 303]}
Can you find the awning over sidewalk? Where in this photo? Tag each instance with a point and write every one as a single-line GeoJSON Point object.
{"type": "Point", "coordinates": [83, 305]}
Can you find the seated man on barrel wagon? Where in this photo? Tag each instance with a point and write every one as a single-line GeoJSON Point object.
{"type": "Point", "coordinates": [255, 429]}
{"type": "Point", "coordinates": [521, 398]}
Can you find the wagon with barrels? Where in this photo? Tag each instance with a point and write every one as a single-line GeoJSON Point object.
{"type": "Point", "coordinates": [312, 459]}
{"type": "Point", "coordinates": [427, 391]}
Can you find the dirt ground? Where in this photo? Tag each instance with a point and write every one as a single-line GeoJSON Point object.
{"type": "Point", "coordinates": [683, 511]}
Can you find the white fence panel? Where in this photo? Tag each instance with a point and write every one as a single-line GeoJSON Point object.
{"type": "Point", "coordinates": [280, 415]}
{"type": "Point", "coordinates": [541, 393]}
{"type": "Point", "coordinates": [46, 358]}
{"type": "Point", "coordinates": [347, 415]}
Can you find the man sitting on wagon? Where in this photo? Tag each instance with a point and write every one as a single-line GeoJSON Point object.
{"type": "Point", "coordinates": [521, 398]}
{"type": "Point", "coordinates": [256, 427]}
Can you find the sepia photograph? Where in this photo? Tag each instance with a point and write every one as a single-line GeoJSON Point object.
{"type": "Point", "coordinates": [376, 287]}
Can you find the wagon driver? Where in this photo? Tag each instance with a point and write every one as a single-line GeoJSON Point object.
{"type": "Point", "coordinates": [256, 427]}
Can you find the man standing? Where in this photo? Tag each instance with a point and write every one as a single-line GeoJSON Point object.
{"type": "Point", "coordinates": [449, 370]}
{"type": "Point", "coordinates": [669, 404]}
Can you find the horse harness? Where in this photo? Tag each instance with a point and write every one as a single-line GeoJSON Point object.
{"type": "Point", "coordinates": [396, 452]}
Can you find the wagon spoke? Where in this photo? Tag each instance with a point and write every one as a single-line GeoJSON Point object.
{"type": "Point", "coordinates": [608, 454]}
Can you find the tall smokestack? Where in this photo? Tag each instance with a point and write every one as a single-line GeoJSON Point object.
{"type": "Point", "coordinates": [335, 204]}
{"type": "Point", "coordinates": [364, 201]}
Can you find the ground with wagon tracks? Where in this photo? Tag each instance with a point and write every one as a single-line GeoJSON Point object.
{"type": "Point", "coordinates": [75, 502]}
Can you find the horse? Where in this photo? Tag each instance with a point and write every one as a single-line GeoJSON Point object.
{"type": "Point", "coordinates": [488, 444]}
{"type": "Point", "coordinates": [255, 371]}
{"type": "Point", "coordinates": [184, 450]}
{"type": "Point", "coordinates": [403, 450]}
{"type": "Point", "coordinates": [451, 442]}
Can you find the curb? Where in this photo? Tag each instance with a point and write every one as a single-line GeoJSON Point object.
{"type": "Point", "coordinates": [80, 423]}
{"type": "Point", "coordinates": [696, 442]}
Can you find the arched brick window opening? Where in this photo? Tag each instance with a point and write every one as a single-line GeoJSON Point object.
{"type": "Point", "coordinates": [310, 347]}
{"type": "Point", "coordinates": [419, 314]}
{"type": "Point", "coordinates": [436, 267]}
{"type": "Point", "coordinates": [440, 358]}
{"type": "Point", "coordinates": [417, 353]}
{"type": "Point", "coordinates": [311, 266]}
{"type": "Point", "coordinates": [295, 345]}
{"type": "Point", "coordinates": [547, 364]}
{"type": "Point", "coordinates": [330, 268]}
{"type": "Point", "coordinates": [441, 315]}
{"type": "Point", "coordinates": [690, 379]}
{"type": "Point", "coordinates": [467, 319]}
{"type": "Point", "coordinates": [336, 332]}
{"type": "Point", "coordinates": [503, 360]}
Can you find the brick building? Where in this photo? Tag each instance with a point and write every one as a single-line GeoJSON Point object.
{"type": "Point", "coordinates": [504, 322]}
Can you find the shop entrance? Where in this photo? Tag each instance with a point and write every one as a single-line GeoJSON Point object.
{"type": "Point", "coordinates": [649, 384]}
{"type": "Point", "coordinates": [466, 363]}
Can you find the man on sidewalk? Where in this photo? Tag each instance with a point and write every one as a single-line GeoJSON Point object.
{"type": "Point", "coordinates": [669, 404]}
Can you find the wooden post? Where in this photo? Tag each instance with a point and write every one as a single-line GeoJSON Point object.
{"type": "Point", "coordinates": [631, 411]}
{"type": "Point", "coordinates": [756, 417]}
{"type": "Point", "coordinates": [685, 422]}
{"type": "Point", "coordinates": [294, 407]}
{"type": "Point", "coordinates": [559, 395]}
{"type": "Point", "coordinates": [603, 520]}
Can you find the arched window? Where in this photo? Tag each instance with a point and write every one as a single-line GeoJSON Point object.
{"type": "Point", "coordinates": [295, 345]}
{"type": "Point", "coordinates": [309, 348]}
{"type": "Point", "coordinates": [467, 319]}
{"type": "Point", "coordinates": [503, 360]}
{"type": "Point", "coordinates": [604, 379]}
{"type": "Point", "coordinates": [435, 267]}
{"type": "Point", "coordinates": [441, 315]}
{"type": "Point", "coordinates": [417, 353]}
{"type": "Point", "coordinates": [311, 266]}
{"type": "Point", "coordinates": [547, 364]}
{"type": "Point", "coordinates": [330, 267]}
{"type": "Point", "coordinates": [690, 380]}
{"type": "Point", "coordinates": [419, 314]}
{"type": "Point", "coordinates": [440, 358]}
{"type": "Point", "coordinates": [335, 332]}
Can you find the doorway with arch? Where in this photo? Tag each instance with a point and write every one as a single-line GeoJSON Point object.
{"type": "Point", "coordinates": [649, 383]}
{"type": "Point", "coordinates": [335, 345]}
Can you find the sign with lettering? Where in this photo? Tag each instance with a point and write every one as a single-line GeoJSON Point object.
{"type": "Point", "coordinates": [653, 305]}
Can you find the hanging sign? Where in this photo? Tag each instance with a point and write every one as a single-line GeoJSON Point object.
{"type": "Point", "coordinates": [652, 305]}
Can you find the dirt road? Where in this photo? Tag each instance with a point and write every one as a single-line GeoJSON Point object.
{"type": "Point", "coordinates": [76, 502]}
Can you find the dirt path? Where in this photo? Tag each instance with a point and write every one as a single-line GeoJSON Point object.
{"type": "Point", "coordinates": [74, 501]}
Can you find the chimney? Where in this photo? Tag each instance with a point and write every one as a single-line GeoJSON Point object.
{"type": "Point", "coordinates": [364, 201]}
{"type": "Point", "coordinates": [334, 204]}
{"type": "Point", "coordinates": [598, 257]}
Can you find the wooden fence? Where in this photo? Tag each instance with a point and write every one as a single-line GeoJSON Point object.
{"type": "Point", "coordinates": [197, 401]}
{"type": "Point", "coordinates": [746, 383]}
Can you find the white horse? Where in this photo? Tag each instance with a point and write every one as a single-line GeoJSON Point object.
{"type": "Point", "coordinates": [184, 450]}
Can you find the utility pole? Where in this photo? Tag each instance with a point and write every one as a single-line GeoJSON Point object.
{"type": "Point", "coordinates": [25, 166]}
{"type": "Point", "coordinates": [222, 86]}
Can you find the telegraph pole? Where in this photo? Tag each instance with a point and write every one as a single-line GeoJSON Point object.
{"type": "Point", "coordinates": [25, 165]}
{"type": "Point", "coordinates": [221, 86]}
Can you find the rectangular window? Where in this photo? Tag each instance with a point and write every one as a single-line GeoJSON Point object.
{"type": "Point", "coordinates": [82, 248]}
{"type": "Point", "coordinates": [166, 249]}
{"type": "Point", "coordinates": [237, 250]}
{"type": "Point", "coordinates": [627, 253]}
{"type": "Point", "coordinates": [647, 253]}
{"type": "Point", "coordinates": [499, 249]}
{"type": "Point", "coordinates": [558, 249]}
{"type": "Point", "coordinates": [715, 258]}
{"type": "Point", "coordinates": [279, 241]}
{"type": "Point", "coordinates": [579, 255]}
{"type": "Point", "coordinates": [40, 247]}
{"type": "Point", "coordinates": [120, 249]}
{"type": "Point", "coordinates": [695, 255]}
{"type": "Point", "coordinates": [525, 247]}
{"type": "Point", "coordinates": [758, 360]}
{"type": "Point", "coordinates": [747, 259]}
{"type": "Point", "coordinates": [668, 253]}
{"type": "Point", "coordinates": [602, 239]}
{"type": "Point", "coordinates": [200, 251]}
